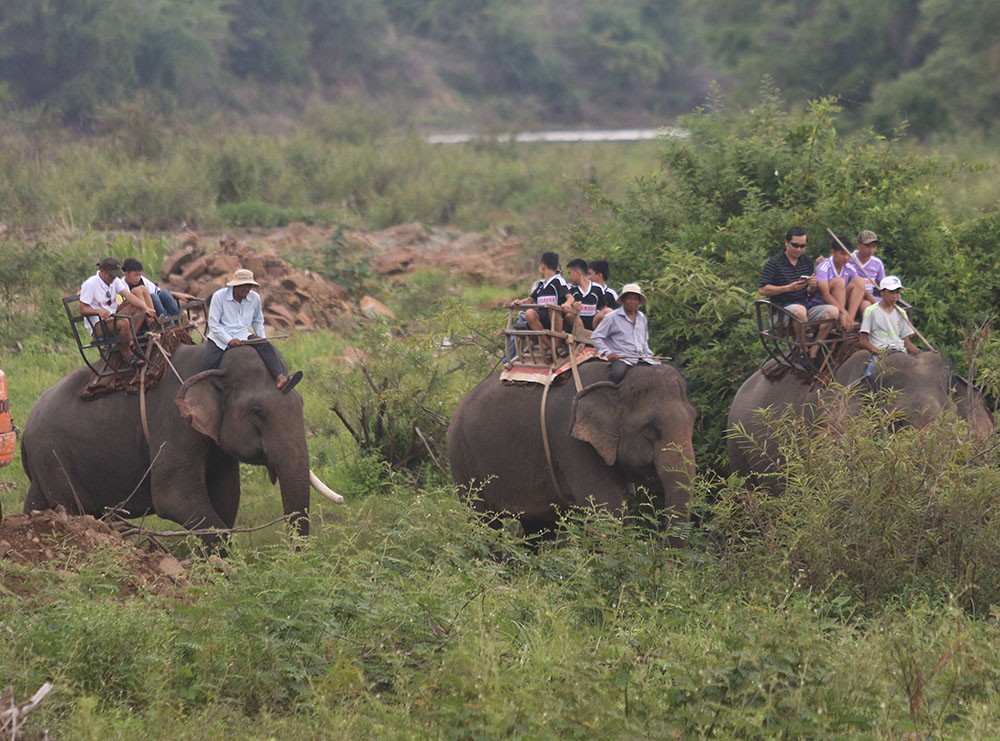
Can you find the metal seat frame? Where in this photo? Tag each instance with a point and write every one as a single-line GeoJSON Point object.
{"type": "Point", "coordinates": [781, 338]}
{"type": "Point", "coordinates": [97, 352]}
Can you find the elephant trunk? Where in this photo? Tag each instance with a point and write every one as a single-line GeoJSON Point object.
{"type": "Point", "coordinates": [675, 471]}
{"type": "Point", "coordinates": [295, 500]}
{"type": "Point", "coordinates": [293, 476]}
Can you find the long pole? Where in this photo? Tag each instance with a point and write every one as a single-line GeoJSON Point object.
{"type": "Point", "coordinates": [864, 273]}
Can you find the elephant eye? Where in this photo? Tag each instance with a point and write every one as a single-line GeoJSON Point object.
{"type": "Point", "coordinates": [258, 413]}
{"type": "Point", "coordinates": [649, 432]}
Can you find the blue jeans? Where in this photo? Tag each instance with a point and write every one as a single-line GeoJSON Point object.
{"type": "Point", "coordinates": [164, 303]}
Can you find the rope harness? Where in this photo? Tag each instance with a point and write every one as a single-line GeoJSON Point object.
{"type": "Point", "coordinates": [547, 384]}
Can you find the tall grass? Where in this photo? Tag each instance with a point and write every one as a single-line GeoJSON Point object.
{"type": "Point", "coordinates": [319, 171]}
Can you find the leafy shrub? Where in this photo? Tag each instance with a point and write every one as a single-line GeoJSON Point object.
{"type": "Point", "coordinates": [396, 400]}
{"type": "Point", "coordinates": [872, 511]}
{"type": "Point", "coordinates": [697, 234]}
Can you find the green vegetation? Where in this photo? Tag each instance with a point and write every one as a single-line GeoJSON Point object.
{"type": "Point", "coordinates": [336, 167]}
{"type": "Point", "coordinates": [699, 231]}
{"type": "Point", "coordinates": [930, 62]}
{"type": "Point", "coordinates": [861, 602]}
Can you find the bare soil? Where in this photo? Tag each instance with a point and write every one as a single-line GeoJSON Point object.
{"type": "Point", "coordinates": [56, 541]}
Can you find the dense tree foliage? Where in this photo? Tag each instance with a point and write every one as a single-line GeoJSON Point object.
{"type": "Point", "coordinates": [698, 233]}
{"type": "Point", "coordinates": [927, 61]}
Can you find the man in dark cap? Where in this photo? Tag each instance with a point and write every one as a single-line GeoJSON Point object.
{"type": "Point", "coordinates": [108, 305]}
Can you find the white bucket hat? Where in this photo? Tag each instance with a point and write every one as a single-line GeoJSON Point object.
{"type": "Point", "coordinates": [633, 288]}
{"type": "Point", "coordinates": [243, 277]}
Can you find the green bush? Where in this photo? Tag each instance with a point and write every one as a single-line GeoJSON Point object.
{"type": "Point", "coordinates": [395, 402]}
{"type": "Point", "coordinates": [698, 233]}
{"type": "Point", "coordinates": [871, 511]}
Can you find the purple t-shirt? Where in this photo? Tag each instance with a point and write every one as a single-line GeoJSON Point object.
{"type": "Point", "coordinates": [874, 272]}
{"type": "Point", "coordinates": [827, 271]}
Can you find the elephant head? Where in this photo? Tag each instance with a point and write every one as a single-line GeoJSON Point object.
{"type": "Point", "coordinates": [239, 409]}
{"type": "Point", "coordinates": [643, 425]}
{"type": "Point", "coordinates": [925, 386]}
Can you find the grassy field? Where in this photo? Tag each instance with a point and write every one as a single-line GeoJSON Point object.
{"type": "Point", "coordinates": [405, 617]}
{"type": "Point", "coordinates": [812, 614]}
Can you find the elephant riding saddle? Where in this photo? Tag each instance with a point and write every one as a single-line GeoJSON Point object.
{"type": "Point", "coordinates": [130, 380]}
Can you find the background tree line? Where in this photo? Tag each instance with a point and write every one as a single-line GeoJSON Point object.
{"type": "Point", "coordinates": [931, 62]}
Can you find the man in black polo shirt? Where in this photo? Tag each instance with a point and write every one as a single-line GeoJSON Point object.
{"type": "Point", "coordinates": [599, 272]}
{"type": "Point", "coordinates": [788, 281]}
{"type": "Point", "coordinates": [551, 290]}
{"type": "Point", "coordinates": [588, 298]}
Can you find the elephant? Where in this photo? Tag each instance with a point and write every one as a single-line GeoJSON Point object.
{"type": "Point", "coordinates": [92, 455]}
{"type": "Point", "coordinates": [604, 440]}
{"type": "Point", "coordinates": [925, 384]}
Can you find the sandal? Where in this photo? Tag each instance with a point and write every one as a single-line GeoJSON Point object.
{"type": "Point", "coordinates": [562, 351]}
{"type": "Point", "coordinates": [292, 382]}
{"type": "Point", "coordinates": [135, 361]}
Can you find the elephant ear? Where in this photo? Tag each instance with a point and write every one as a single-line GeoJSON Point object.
{"type": "Point", "coordinates": [595, 419]}
{"type": "Point", "coordinates": [200, 401]}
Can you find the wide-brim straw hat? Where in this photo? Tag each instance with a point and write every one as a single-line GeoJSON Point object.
{"type": "Point", "coordinates": [633, 288]}
{"type": "Point", "coordinates": [242, 277]}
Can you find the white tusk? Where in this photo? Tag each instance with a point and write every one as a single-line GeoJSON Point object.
{"type": "Point", "coordinates": [323, 489]}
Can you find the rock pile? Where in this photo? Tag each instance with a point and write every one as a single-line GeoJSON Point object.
{"type": "Point", "coordinates": [299, 299]}
{"type": "Point", "coordinates": [407, 247]}
{"type": "Point", "coordinates": [292, 299]}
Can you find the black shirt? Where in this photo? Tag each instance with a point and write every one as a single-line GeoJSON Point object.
{"type": "Point", "coordinates": [778, 271]}
{"type": "Point", "coordinates": [552, 292]}
{"type": "Point", "coordinates": [610, 296]}
{"type": "Point", "coordinates": [590, 304]}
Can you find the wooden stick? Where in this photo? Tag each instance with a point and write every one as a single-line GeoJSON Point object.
{"type": "Point", "coordinates": [202, 531]}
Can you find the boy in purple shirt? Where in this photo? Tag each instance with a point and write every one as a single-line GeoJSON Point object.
{"type": "Point", "coordinates": [841, 285]}
{"type": "Point", "coordinates": [874, 270]}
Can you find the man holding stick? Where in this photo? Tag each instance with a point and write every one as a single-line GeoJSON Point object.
{"type": "Point", "coordinates": [885, 327]}
{"type": "Point", "coordinates": [236, 318]}
{"type": "Point", "coordinates": [623, 336]}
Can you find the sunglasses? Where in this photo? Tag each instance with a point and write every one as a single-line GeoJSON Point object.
{"type": "Point", "coordinates": [798, 245]}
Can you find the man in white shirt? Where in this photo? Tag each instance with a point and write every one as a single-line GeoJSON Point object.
{"type": "Point", "coordinates": [236, 318]}
{"type": "Point", "coordinates": [99, 303]}
{"type": "Point", "coordinates": [623, 336]}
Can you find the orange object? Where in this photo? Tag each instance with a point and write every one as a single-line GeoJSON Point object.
{"type": "Point", "coordinates": [8, 440]}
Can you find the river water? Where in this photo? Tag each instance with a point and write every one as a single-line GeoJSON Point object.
{"type": "Point", "coordinates": [567, 135]}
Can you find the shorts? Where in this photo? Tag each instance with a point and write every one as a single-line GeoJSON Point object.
{"type": "Point", "coordinates": [813, 314]}
{"type": "Point", "coordinates": [114, 323]}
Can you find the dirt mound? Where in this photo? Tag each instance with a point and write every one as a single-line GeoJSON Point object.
{"type": "Point", "coordinates": [292, 298]}
{"type": "Point", "coordinates": [407, 247]}
{"type": "Point", "coordinates": [56, 540]}
{"type": "Point", "coordinates": [297, 299]}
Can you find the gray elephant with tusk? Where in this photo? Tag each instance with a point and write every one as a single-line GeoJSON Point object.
{"type": "Point", "coordinates": [92, 455]}
{"type": "Point", "coordinates": [604, 441]}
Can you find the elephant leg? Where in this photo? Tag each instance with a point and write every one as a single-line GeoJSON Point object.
{"type": "Point", "coordinates": [222, 476]}
{"type": "Point", "coordinates": [35, 500]}
{"type": "Point", "coordinates": [180, 494]}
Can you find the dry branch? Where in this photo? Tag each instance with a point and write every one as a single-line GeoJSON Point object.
{"type": "Point", "coordinates": [12, 716]}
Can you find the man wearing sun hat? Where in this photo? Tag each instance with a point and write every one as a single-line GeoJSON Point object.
{"type": "Point", "coordinates": [885, 327]}
{"type": "Point", "coordinates": [623, 335]}
{"type": "Point", "coordinates": [236, 318]}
